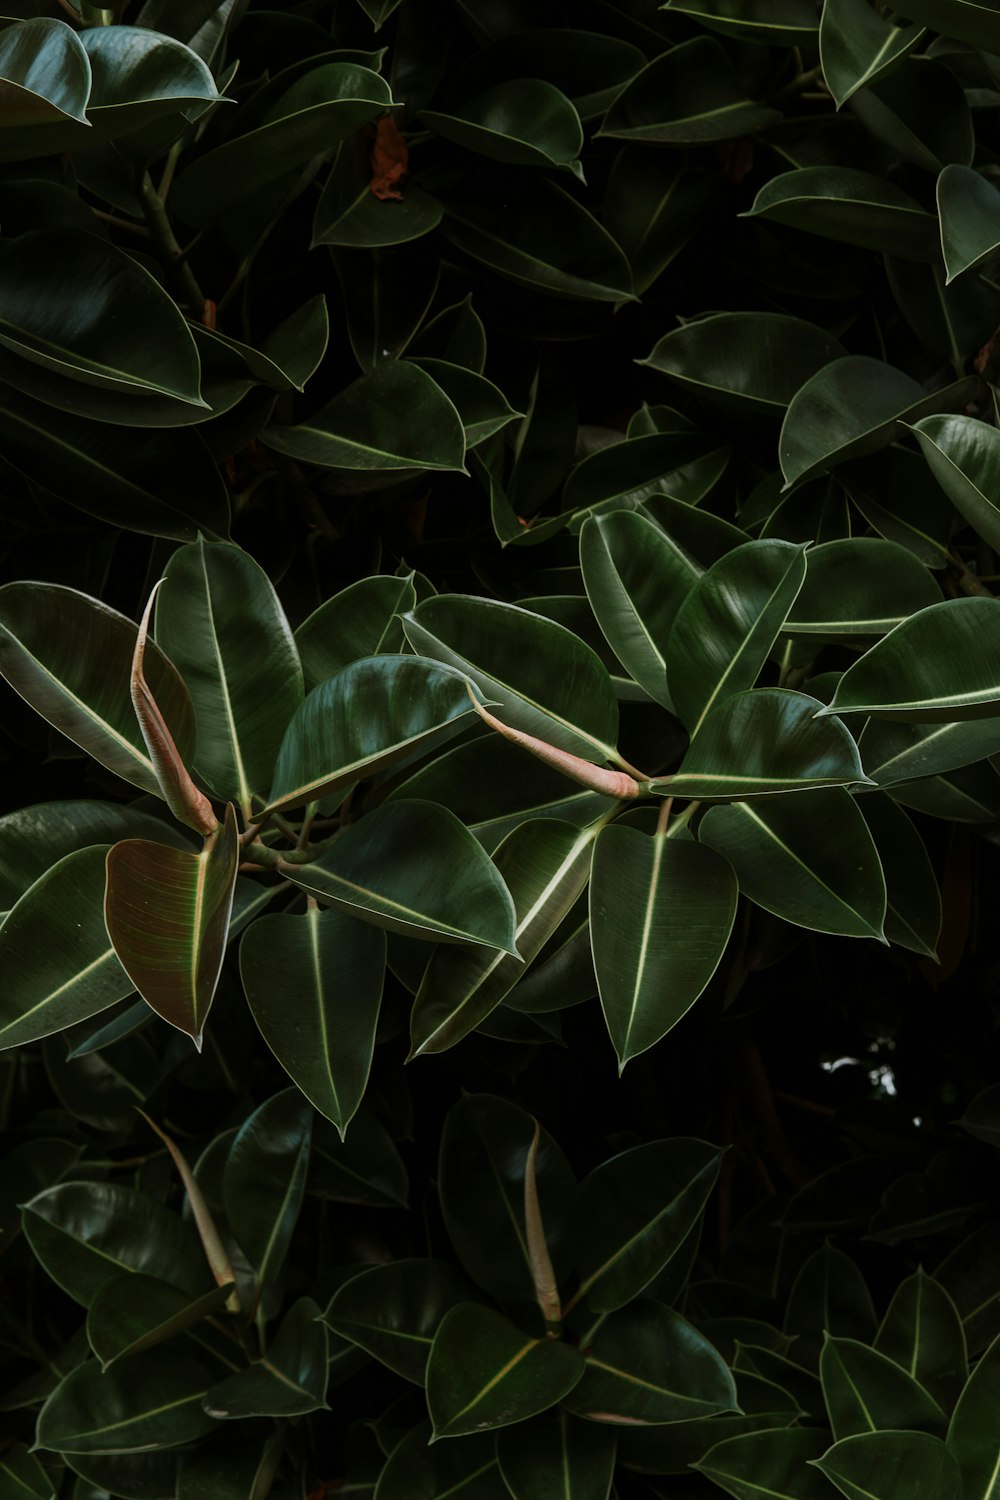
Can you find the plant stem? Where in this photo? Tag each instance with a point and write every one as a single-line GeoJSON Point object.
{"type": "Point", "coordinates": [682, 819]}
{"type": "Point", "coordinates": [96, 15]}
{"type": "Point", "coordinates": [162, 231]}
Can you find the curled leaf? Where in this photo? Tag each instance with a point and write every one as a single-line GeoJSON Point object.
{"type": "Point", "coordinates": [598, 778]}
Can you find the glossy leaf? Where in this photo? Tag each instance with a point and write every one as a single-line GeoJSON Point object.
{"type": "Point", "coordinates": [133, 1312]}
{"type": "Point", "coordinates": [723, 632]}
{"type": "Point", "coordinates": [287, 1381]}
{"type": "Point", "coordinates": [56, 953]}
{"type": "Point", "coordinates": [849, 206]}
{"type": "Point", "coordinates": [967, 210]}
{"type": "Point", "coordinates": [363, 719]}
{"type": "Point", "coordinates": [627, 473]}
{"type": "Point", "coordinates": [899, 498]}
{"type": "Point", "coordinates": [395, 418]}
{"type": "Point", "coordinates": [972, 1435]}
{"type": "Point", "coordinates": [323, 106]}
{"type": "Point", "coordinates": [895, 751]}
{"type": "Point", "coordinates": [661, 911]}
{"type": "Point", "coordinates": [852, 407]}
{"type": "Point", "coordinates": [482, 406]}
{"type": "Point", "coordinates": [392, 1311]}
{"type": "Point", "coordinates": [690, 95]}
{"type": "Point", "coordinates": [653, 207]}
{"type": "Point", "coordinates": [761, 742]}
{"type": "Point", "coordinates": [857, 46]}
{"type": "Point", "coordinates": [174, 960]}
{"type": "Point", "coordinates": [647, 1364]}
{"type": "Point", "coordinates": [935, 667]}
{"type": "Point", "coordinates": [913, 901]}
{"type": "Point", "coordinates": [139, 76]}
{"type": "Point", "coordinates": [923, 1333]}
{"type": "Point", "coordinates": [46, 79]}
{"type": "Point", "coordinates": [537, 234]}
{"type": "Point", "coordinates": [544, 863]}
{"type": "Point", "coordinates": [348, 214]}
{"type": "Point", "coordinates": [555, 1455]}
{"type": "Point", "coordinates": [636, 582]}
{"type": "Point", "coordinates": [810, 860]}
{"type": "Point", "coordinates": [892, 1466]}
{"type": "Point", "coordinates": [867, 1392]}
{"type": "Point", "coordinates": [85, 1233]}
{"type": "Point", "coordinates": [22, 1476]}
{"type": "Point", "coordinates": [526, 122]}
{"type": "Point", "coordinates": [363, 1167]}
{"type": "Point", "coordinates": [265, 1178]}
{"type": "Point", "coordinates": [861, 586]}
{"type": "Point", "coordinates": [418, 1470]}
{"type": "Point", "coordinates": [362, 620]}
{"type": "Point", "coordinates": [414, 868]}
{"type": "Point", "coordinates": [634, 1213]}
{"type": "Point", "coordinates": [744, 361]}
{"type": "Point", "coordinates": [219, 620]}
{"type": "Point", "coordinates": [70, 657]}
{"type": "Point", "coordinates": [964, 457]}
{"type": "Point", "coordinates": [387, 294]}
{"type": "Point", "coordinates": [771, 1463]}
{"type": "Point", "coordinates": [919, 111]}
{"type": "Point", "coordinates": [543, 679]}
{"type": "Point", "coordinates": [314, 987]}
{"type": "Point", "coordinates": [972, 21]}
{"type": "Point", "coordinates": [482, 1372]}
{"type": "Point", "coordinates": [154, 1400]}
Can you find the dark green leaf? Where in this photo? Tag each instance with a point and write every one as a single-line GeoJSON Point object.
{"type": "Point", "coordinates": [898, 496]}
{"type": "Point", "coordinates": [867, 1392]}
{"type": "Point", "coordinates": [45, 81]}
{"type": "Point", "coordinates": [482, 406]}
{"type": "Point", "coordinates": [140, 77]}
{"type": "Point", "coordinates": [364, 1167]}
{"type": "Point", "coordinates": [362, 620]}
{"type": "Point", "coordinates": [858, 46]}
{"type": "Point", "coordinates": [810, 860]}
{"type": "Point", "coordinates": [861, 586]}
{"type": "Point", "coordinates": [555, 1455]}
{"type": "Point", "coordinates": [349, 214]}
{"type": "Point", "coordinates": [652, 207]}
{"type": "Point", "coordinates": [148, 1401]}
{"type": "Point", "coordinates": [913, 901]}
{"type": "Point", "coordinates": [972, 1435]}
{"type": "Point", "coordinates": [482, 1372]}
{"type": "Point", "coordinates": [647, 1364]}
{"type": "Point", "coordinates": [393, 1311]}
{"type": "Point", "coordinates": [287, 1381]}
{"type": "Point", "coordinates": [923, 1333]}
{"type": "Point", "coordinates": [634, 1213]}
{"type": "Point", "coordinates": [791, 23]}
{"type": "Point", "coordinates": [70, 657]}
{"type": "Point", "coordinates": [974, 21]}
{"type": "Point", "coordinates": [852, 207]}
{"type": "Point", "coordinates": [265, 1178]}
{"type": "Point", "coordinates": [387, 294]}
{"type": "Point", "coordinates": [829, 1296]}
{"type": "Point", "coordinates": [464, 1468]}
{"type": "Point", "coordinates": [314, 987]}
{"type": "Point", "coordinates": [892, 1466]}
{"type": "Point", "coordinates": [167, 913]}
{"type": "Point", "coordinates": [133, 1312]}
{"type": "Point", "coordinates": [661, 912]}
{"type": "Point", "coordinates": [919, 111]}
{"type": "Point", "coordinates": [967, 209]}
{"type": "Point", "coordinates": [964, 457]}
{"type": "Point", "coordinates": [896, 751]}
{"type": "Point", "coordinates": [525, 122]}
{"type": "Point", "coordinates": [690, 95]}
{"type": "Point", "coordinates": [22, 1476]}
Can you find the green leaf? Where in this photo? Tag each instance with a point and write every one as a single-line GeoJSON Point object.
{"type": "Point", "coordinates": [744, 361]}
{"type": "Point", "coordinates": [364, 1167]}
{"type": "Point", "coordinates": [853, 406]}
{"type": "Point", "coordinates": [661, 912]}
{"type": "Point", "coordinates": [463, 1467]}
{"type": "Point", "coordinates": [636, 581]}
{"type": "Point", "coordinates": [919, 111]}
{"type": "Point", "coordinates": [898, 752]}
{"type": "Point", "coordinates": [482, 406]}
{"type": "Point", "coordinates": [858, 46]}
{"type": "Point", "coordinates": [536, 234]}
{"type": "Point", "coordinates": [132, 1312]}
{"type": "Point", "coordinates": [898, 496]}
{"type": "Point", "coordinates": [627, 473]}
{"type": "Point", "coordinates": [724, 631]}
{"type": "Point", "coordinates": [482, 1372]}
{"type": "Point", "coordinates": [544, 863]}
{"type": "Point", "coordinates": [544, 680]}
{"type": "Point", "coordinates": [387, 295]}
{"type": "Point", "coordinates": [690, 95]}
{"type": "Point", "coordinates": [964, 457]}
{"type": "Point", "coordinates": [892, 1466]}
{"type": "Point", "coordinates": [972, 1435]}
{"type": "Point", "coordinates": [967, 210]}
{"type": "Point", "coordinates": [980, 1117]}
{"type": "Point", "coordinates": [314, 987]}
{"type": "Point", "coordinates": [913, 901]}
{"type": "Point", "coordinates": [789, 23]}
{"type": "Point", "coordinates": [392, 1311]}
{"type": "Point", "coordinates": [264, 1180]}
{"type": "Point", "coordinates": [396, 418]}
{"type": "Point", "coordinates": [139, 77]}
{"type": "Point", "coordinates": [635, 1212]}
{"type": "Point", "coordinates": [158, 483]}
{"type": "Point", "coordinates": [653, 206]}
{"type": "Point", "coordinates": [923, 1333]}
{"type": "Point", "coordinates": [46, 76]}
{"type": "Point", "coordinates": [414, 868]}
{"type": "Point", "coordinates": [647, 1364]}
{"type": "Point", "coordinates": [349, 214]}
{"type": "Point", "coordinates": [167, 913]}
{"type": "Point", "coordinates": [56, 954]}
{"type": "Point", "coordinates": [85, 1233]}
{"type": "Point", "coordinates": [555, 1455]}
{"type": "Point", "coordinates": [523, 122]}
{"type": "Point", "coordinates": [365, 718]}
{"type": "Point", "coordinates": [150, 1401]}
{"type": "Point", "coordinates": [297, 346]}
{"type": "Point", "coordinates": [772, 1464]}
{"type": "Point", "coordinates": [481, 1175]}
{"type": "Point", "coordinates": [219, 619]}
{"type": "Point", "coordinates": [810, 860]}
{"type": "Point", "coordinates": [22, 1476]}
{"type": "Point", "coordinates": [867, 1392]}
{"type": "Point", "coordinates": [851, 207]}
{"type": "Point", "coordinates": [322, 107]}
{"type": "Point", "coordinates": [860, 586]}
{"type": "Point", "coordinates": [761, 742]}
{"type": "Point", "coordinates": [933, 668]}
{"type": "Point", "coordinates": [70, 657]}
{"type": "Point", "coordinates": [974, 21]}
{"type": "Point", "coordinates": [289, 1380]}
{"type": "Point", "coordinates": [362, 620]}
{"type": "Point", "coordinates": [128, 335]}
